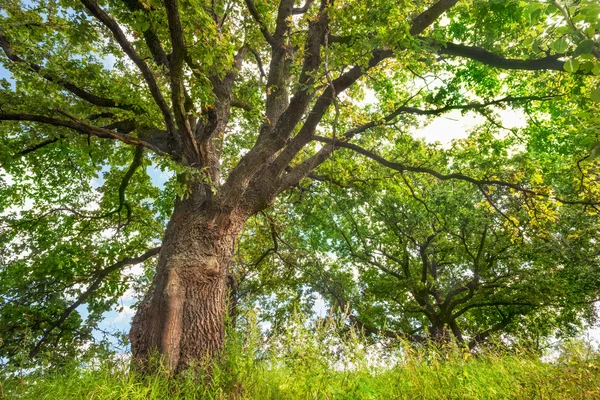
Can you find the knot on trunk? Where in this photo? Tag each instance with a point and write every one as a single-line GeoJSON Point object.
{"type": "Point", "coordinates": [212, 267]}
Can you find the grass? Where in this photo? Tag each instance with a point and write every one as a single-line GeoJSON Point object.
{"type": "Point", "coordinates": [323, 363]}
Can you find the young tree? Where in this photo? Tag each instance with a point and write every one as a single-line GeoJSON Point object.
{"type": "Point", "coordinates": [181, 69]}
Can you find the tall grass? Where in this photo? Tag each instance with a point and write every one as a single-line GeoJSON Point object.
{"type": "Point", "coordinates": [326, 361]}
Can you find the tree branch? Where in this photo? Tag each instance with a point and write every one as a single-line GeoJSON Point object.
{"type": "Point", "coordinates": [138, 159]}
{"type": "Point", "coordinates": [481, 337]}
{"type": "Point", "coordinates": [37, 146]}
{"type": "Point", "coordinates": [419, 24]}
{"type": "Point", "coordinates": [99, 277]}
{"type": "Point", "coordinates": [262, 26]}
{"type": "Point", "coordinates": [178, 93]}
{"type": "Point", "coordinates": [309, 165]}
{"type": "Point", "coordinates": [127, 47]}
{"type": "Point", "coordinates": [259, 62]}
{"type": "Point", "coordinates": [303, 9]}
{"type": "Point", "coordinates": [150, 37]}
{"type": "Point", "coordinates": [281, 119]}
{"type": "Point", "coordinates": [315, 115]}
{"type": "Point", "coordinates": [551, 62]}
{"type": "Point", "coordinates": [444, 177]}
{"type": "Point", "coordinates": [427, 17]}
{"type": "Point", "coordinates": [322, 105]}
{"type": "Point", "coordinates": [77, 91]}
{"type": "Point", "coordinates": [469, 106]}
{"type": "Point", "coordinates": [82, 127]}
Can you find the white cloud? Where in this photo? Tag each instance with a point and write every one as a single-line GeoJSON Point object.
{"type": "Point", "coordinates": [126, 314]}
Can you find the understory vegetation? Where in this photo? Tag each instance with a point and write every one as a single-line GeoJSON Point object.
{"type": "Point", "coordinates": [325, 360]}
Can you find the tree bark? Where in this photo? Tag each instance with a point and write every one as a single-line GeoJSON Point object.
{"type": "Point", "coordinates": [182, 317]}
{"type": "Point", "coordinates": [438, 332]}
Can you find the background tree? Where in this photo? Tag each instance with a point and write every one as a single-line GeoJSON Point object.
{"type": "Point", "coordinates": [408, 257]}
{"type": "Point", "coordinates": [295, 73]}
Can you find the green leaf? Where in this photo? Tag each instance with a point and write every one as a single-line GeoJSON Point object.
{"type": "Point", "coordinates": [571, 65]}
{"type": "Point", "coordinates": [534, 16]}
{"type": "Point", "coordinates": [563, 30]}
{"type": "Point", "coordinates": [595, 95]}
{"type": "Point", "coordinates": [551, 9]}
{"type": "Point", "coordinates": [584, 47]}
{"type": "Point", "coordinates": [560, 45]}
{"type": "Point", "coordinates": [586, 66]}
{"type": "Point", "coordinates": [534, 12]}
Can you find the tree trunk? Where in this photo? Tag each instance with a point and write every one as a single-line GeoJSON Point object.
{"type": "Point", "coordinates": [438, 333]}
{"type": "Point", "coordinates": [182, 317]}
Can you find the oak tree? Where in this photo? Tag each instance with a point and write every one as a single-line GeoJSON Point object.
{"type": "Point", "coordinates": [241, 100]}
{"type": "Point", "coordinates": [406, 257]}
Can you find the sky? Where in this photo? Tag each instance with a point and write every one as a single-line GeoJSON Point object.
{"type": "Point", "coordinates": [5, 74]}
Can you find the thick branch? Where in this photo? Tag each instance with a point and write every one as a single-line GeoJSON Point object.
{"type": "Point", "coordinates": [280, 118]}
{"type": "Point", "coordinates": [551, 62]}
{"type": "Point", "coordinates": [178, 93]}
{"type": "Point", "coordinates": [279, 69]}
{"type": "Point", "coordinates": [150, 37]}
{"type": "Point", "coordinates": [81, 127]}
{"type": "Point", "coordinates": [177, 42]}
{"type": "Point", "coordinates": [444, 177]}
{"type": "Point", "coordinates": [127, 47]}
{"type": "Point", "coordinates": [427, 17]}
{"type": "Point", "coordinates": [312, 121]}
{"type": "Point", "coordinates": [283, 118]}
{"type": "Point", "coordinates": [286, 125]}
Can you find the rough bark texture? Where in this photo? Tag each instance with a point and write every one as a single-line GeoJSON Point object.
{"type": "Point", "coordinates": [182, 317]}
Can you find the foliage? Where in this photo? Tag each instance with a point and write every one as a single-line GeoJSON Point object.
{"type": "Point", "coordinates": [85, 124]}
{"type": "Point", "coordinates": [411, 256]}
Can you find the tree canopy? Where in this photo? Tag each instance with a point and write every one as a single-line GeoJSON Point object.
{"type": "Point", "coordinates": [248, 107]}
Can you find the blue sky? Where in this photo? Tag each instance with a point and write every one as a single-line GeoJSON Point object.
{"type": "Point", "coordinates": [5, 74]}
